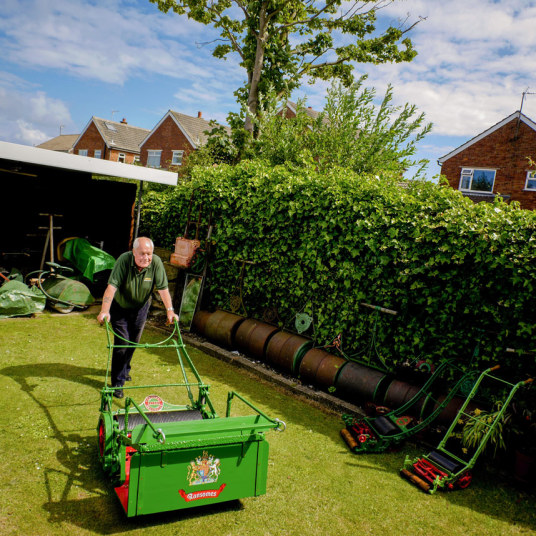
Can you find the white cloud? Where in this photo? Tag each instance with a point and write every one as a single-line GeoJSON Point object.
{"type": "Point", "coordinates": [475, 60]}
{"type": "Point", "coordinates": [29, 116]}
{"type": "Point", "coordinates": [107, 41]}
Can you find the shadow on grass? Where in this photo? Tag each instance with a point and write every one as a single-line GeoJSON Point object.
{"type": "Point", "coordinates": [489, 494]}
{"type": "Point", "coordinates": [101, 512]}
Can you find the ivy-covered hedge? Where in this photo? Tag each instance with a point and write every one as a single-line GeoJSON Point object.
{"type": "Point", "coordinates": [455, 271]}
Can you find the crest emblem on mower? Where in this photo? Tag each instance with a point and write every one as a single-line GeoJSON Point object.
{"type": "Point", "coordinates": [204, 469]}
{"type": "Point", "coordinates": [153, 403]}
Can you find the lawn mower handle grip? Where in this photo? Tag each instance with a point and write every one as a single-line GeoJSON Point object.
{"type": "Point", "coordinates": [530, 380]}
{"type": "Point", "coordinates": [496, 367]}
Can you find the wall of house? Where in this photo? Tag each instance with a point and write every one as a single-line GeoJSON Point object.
{"type": "Point", "coordinates": [505, 152]}
{"type": "Point", "coordinates": [92, 140]}
{"type": "Point", "coordinates": [167, 138]}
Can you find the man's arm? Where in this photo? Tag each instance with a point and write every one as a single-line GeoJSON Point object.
{"type": "Point", "coordinates": [166, 298]}
{"type": "Point", "coordinates": [107, 299]}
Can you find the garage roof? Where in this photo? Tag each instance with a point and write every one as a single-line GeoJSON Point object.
{"type": "Point", "coordinates": [44, 157]}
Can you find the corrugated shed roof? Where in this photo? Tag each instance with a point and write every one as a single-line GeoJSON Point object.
{"type": "Point", "coordinates": [121, 135]}
{"type": "Point", "coordinates": [63, 143]}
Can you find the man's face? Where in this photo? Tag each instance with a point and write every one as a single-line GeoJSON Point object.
{"type": "Point", "coordinates": [143, 254]}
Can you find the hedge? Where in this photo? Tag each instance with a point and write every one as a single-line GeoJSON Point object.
{"type": "Point", "coordinates": [457, 272]}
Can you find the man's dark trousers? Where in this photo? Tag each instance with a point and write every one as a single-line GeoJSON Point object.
{"type": "Point", "coordinates": [128, 324]}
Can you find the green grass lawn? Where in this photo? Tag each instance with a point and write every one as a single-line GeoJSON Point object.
{"type": "Point", "coordinates": [51, 370]}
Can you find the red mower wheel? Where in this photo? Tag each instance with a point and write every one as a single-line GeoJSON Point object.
{"type": "Point", "coordinates": [464, 480]}
{"type": "Point", "coordinates": [102, 437]}
{"type": "Point", "coordinates": [362, 438]}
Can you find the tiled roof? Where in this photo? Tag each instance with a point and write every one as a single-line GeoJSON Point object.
{"type": "Point", "coordinates": [194, 127]}
{"type": "Point", "coordinates": [63, 143]}
{"type": "Point", "coordinates": [310, 112]}
{"type": "Point", "coordinates": [121, 135]}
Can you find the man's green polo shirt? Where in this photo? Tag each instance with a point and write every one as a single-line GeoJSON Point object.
{"type": "Point", "coordinates": [134, 287]}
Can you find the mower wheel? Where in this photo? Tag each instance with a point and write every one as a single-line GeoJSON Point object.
{"type": "Point", "coordinates": [464, 480]}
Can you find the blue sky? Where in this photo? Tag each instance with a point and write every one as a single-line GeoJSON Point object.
{"type": "Point", "coordinates": [63, 61]}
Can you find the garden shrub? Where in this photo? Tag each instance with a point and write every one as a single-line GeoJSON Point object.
{"type": "Point", "coordinates": [323, 243]}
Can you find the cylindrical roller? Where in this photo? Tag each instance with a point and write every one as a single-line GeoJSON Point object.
{"type": "Point", "coordinates": [252, 337]}
{"type": "Point", "coordinates": [449, 412]}
{"type": "Point", "coordinates": [285, 350]}
{"type": "Point", "coordinates": [221, 327]}
{"type": "Point", "coordinates": [160, 417]}
{"type": "Point", "coordinates": [415, 479]}
{"type": "Point", "coordinates": [328, 371]}
{"type": "Point", "coordinates": [348, 439]}
{"type": "Point", "coordinates": [310, 364]}
{"type": "Point", "coordinates": [398, 393]}
{"type": "Point", "coordinates": [357, 383]}
{"type": "Point", "coordinates": [199, 322]}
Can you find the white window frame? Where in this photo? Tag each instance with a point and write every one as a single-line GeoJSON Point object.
{"type": "Point", "coordinates": [82, 152]}
{"type": "Point", "coordinates": [531, 176]}
{"type": "Point", "coordinates": [97, 153]}
{"type": "Point", "coordinates": [136, 160]}
{"type": "Point", "coordinates": [121, 157]}
{"type": "Point", "coordinates": [153, 155]}
{"type": "Point", "coordinates": [468, 174]}
{"type": "Point", "coordinates": [176, 158]}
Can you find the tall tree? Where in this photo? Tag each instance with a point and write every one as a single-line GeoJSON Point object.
{"type": "Point", "coordinates": [281, 42]}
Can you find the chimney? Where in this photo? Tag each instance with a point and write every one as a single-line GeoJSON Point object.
{"type": "Point", "coordinates": [199, 114]}
{"type": "Point", "coordinates": [124, 121]}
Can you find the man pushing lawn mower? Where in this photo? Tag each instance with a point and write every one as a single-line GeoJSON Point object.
{"type": "Point", "coordinates": [126, 303]}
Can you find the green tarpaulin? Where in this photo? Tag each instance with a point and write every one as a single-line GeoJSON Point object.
{"type": "Point", "coordinates": [87, 258]}
{"type": "Point", "coordinates": [17, 299]}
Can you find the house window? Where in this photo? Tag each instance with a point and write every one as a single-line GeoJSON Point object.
{"type": "Point", "coordinates": [531, 180]}
{"type": "Point", "coordinates": [176, 159]}
{"type": "Point", "coordinates": [477, 180]}
{"type": "Point", "coordinates": [136, 160]}
{"type": "Point", "coordinates": [97, 153]}
{"type": "Point", "coordinates": [121, 158]}
{"type": "Point", "coordinates": [153, 158]}
{"type": "Point", "coordinates": [82, 152]}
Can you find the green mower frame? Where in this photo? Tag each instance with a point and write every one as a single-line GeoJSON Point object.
{"type": "Point", "coordinates": [442, 469]}
{"type": "Point", "coordinates": [377, 434]}
{"type": "Point", "coordinates": [163, 457]}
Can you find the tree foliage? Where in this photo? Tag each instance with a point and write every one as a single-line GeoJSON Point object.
{"type": "Point", "coordinates": [281, 42]}
{"type": "Point", "coordinates": [351, 132]}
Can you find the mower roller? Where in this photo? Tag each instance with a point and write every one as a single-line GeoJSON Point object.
{"type": "Point", "coordinates": [377, 434]}
{"type": "Point", "coordinates": [163, 456]}
{"type": "Point", "coordinates": [441, 469]}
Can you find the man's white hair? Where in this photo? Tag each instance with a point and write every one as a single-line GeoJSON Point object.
{"type": "Point", "coordinates": [136, 244]}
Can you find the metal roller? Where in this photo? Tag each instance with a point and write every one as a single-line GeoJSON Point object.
{"type": "Point", "coordinates": [159, 417]}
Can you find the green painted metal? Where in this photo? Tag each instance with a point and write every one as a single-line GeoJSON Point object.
{"type": "Point", "coordinates": [443, 469]}
{"type": "Point", "coordinates": [164, 457]}
{"type": "Point", "coordinates": [377, 434]}
{"type": "Point", "coordinates": [63, 294]}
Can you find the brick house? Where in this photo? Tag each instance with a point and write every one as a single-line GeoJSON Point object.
{"type": "Point", "coordinates": [496, 162]}
{"type": "Point", "coordinates": [174, 136]}
{"type": "Point", "coordinates": [110, 140]}
{"type": "Point", "coordinates": [291, 111]}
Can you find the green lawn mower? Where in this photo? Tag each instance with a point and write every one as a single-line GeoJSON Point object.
{"type": "Point", "coordinates": [380, 433]}
{"type": "Point", "coordinates": [444, 468]}
{"type": "Point", "coordinates": [63, 293]}
{"type": "Point", "coordinates": [162, 456]}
